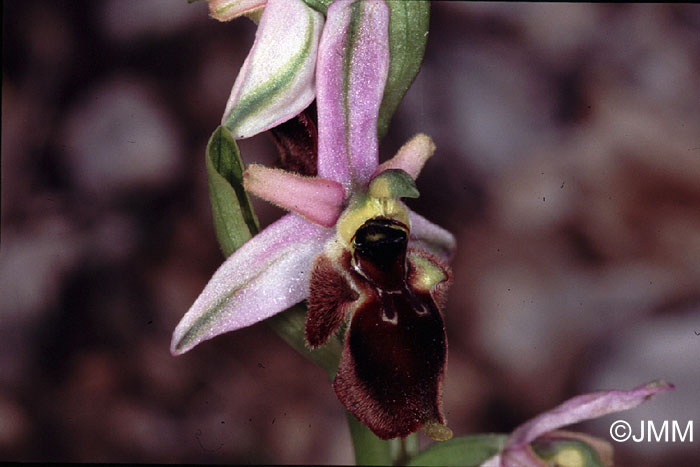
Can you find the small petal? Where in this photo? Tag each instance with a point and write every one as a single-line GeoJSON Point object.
{"type": "Point", "coordinates": [276, 80]}
{"type": "Point", "coordinates": [411, 157]}
{"type": "Point", "coordinates": [226, 10]}
{"type": "Point", "coordinates": [268, 274]}
{"type": "Point", "coordinates": [352, 69]}
{"type": "Point", "coordinates": [317, 199]}
{"type": "Point", "coordinates": [584, 407]}
{"type": "Point", "coordinates": [431, 237]}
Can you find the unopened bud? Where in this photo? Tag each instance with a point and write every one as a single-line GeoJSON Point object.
{"type": "Point", "coordinates": [581, 451]}
{"type": "Point", "coordinates": [226, 10]}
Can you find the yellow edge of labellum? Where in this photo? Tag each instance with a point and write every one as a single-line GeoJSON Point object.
{"type": "Point", "coordinates": [428, 274]}
{"type": "Point", "coordinates": [437, 431]}
{"type": "Point", "coordinates": [366, 207]}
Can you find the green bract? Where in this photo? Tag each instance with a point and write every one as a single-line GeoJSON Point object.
{"type": "Point", "coordinates": [408, 35]}
{"type": "Point", "coordinates": [465, 451]}
{"type": "Point", "coordinates": [234, 219]}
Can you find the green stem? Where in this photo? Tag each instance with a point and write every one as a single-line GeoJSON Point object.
{"type": "Point", "coordinates": [404, 449]}
{"type": "Point", "coordinates": [289, 325]}
{"type": "Point", "coordinates": [412, 447]}
{"type": "Point", "coordinates": [369, 450]}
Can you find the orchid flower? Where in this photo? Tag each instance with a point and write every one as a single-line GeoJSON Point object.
{"type": "Point", "coordinates": [349, 246]}
{"type": "Point", "coordinates": [539, 443]}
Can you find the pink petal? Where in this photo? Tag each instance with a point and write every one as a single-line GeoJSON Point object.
{"type": "Point", "coordinates": [411, 157]}
{"type": "Point", "coordinates": [276, 81]}
{"type": "Point", "coordinates": [581, 408]}
{"type": "Point", "coordinates": [317, 199]}
{"type": "Point", "coordinates": [268, 274]}
{"type": "Point", "coordinates": [352, 68]}
{"type": "Point", "coordinates": [226, 10]}
{"type": "Point", "coordinates": [431, 237]}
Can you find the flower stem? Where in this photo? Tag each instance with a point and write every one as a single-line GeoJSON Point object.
{"type": "Point", "coordinates": [404, 449]}
{"type": "Point", "coordinates": [369, 450]}
{"type": "Point", "coordinates": [289, 325]}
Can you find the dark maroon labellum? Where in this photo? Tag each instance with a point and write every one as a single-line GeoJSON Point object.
{"type": "Point", "coordinates": [395, 348]}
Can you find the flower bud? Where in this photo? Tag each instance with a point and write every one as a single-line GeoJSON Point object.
{"type": "Point", "coordinates": [276, 81]}
{"type": "Point", "coordinates": [226, 10]}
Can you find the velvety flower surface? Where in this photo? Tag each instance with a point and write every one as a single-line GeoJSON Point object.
{"type": "Point", "coordinates": [349, 246]}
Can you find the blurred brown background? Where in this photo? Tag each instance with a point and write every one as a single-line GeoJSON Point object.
{"type": "Point", "coordinates": [568, 167]}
